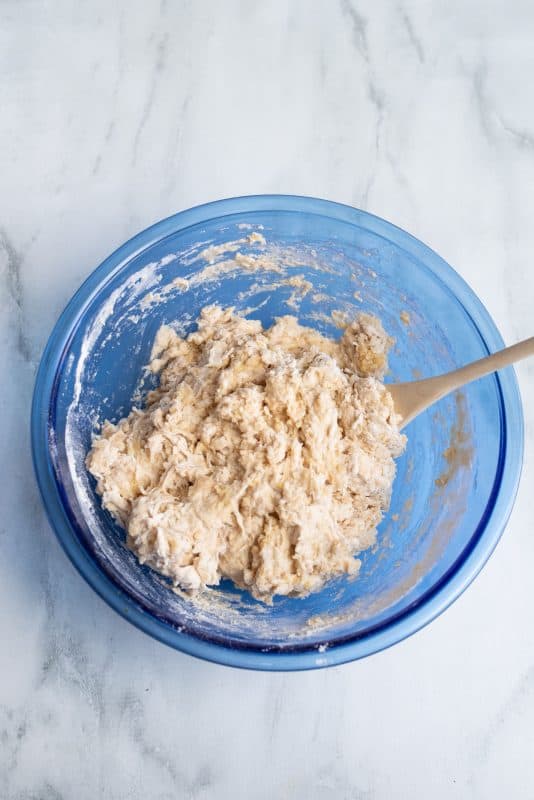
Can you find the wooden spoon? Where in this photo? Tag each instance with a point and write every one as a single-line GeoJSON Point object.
{"type": "Point", "coordinates": [413, 397]}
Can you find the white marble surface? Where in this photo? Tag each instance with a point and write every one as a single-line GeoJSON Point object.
{"type": "Point", "coordinates": [115, 114]}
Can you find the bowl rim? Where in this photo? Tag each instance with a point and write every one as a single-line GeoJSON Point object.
{"type": "Point", "coordinates": [411, 620]}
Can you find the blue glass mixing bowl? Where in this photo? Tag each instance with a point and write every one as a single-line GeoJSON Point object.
{"type": "Point", "coordinates": [455, 484]}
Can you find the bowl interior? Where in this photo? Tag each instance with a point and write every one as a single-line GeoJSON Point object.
{"type": "Point", "coordinates": [446, 479]}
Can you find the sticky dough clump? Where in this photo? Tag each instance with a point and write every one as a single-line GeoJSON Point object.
{"type": "Point", "coordinates": [264, 456]}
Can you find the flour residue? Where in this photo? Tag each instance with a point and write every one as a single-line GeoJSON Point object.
{"type": "Point", "coordinates": [212, 253]}
{"type": "Point", "coordinates": [459, 453]}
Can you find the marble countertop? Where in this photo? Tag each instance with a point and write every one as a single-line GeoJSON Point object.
{"type": "Point", "coordinates": [114, 115]}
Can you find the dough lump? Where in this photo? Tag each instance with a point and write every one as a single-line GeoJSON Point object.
{"type": "Point", "coordinates": [264, 456]}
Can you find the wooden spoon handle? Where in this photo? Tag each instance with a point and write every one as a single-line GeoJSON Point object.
{"type": "Point", "coordinates": [413, 397]}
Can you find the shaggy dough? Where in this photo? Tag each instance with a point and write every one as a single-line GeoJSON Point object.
{"type": "Point", "coordinates": [265, 456]}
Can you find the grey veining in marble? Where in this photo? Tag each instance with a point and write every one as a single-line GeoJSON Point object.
{"type": "Point", "coordinates": [115, 114]}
